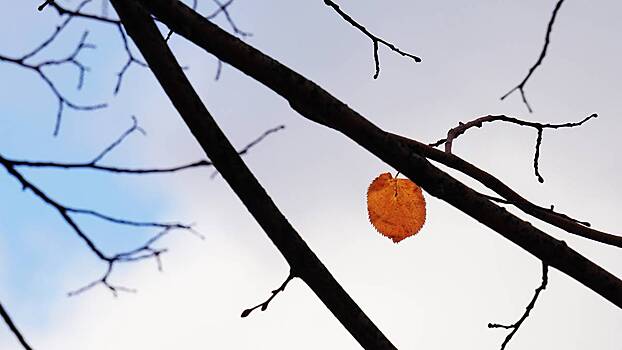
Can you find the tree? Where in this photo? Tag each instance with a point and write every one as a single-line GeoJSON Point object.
{"type": "Point", "coordinates": [407, 156]}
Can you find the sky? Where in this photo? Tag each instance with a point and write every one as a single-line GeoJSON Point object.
{"type": "Point", "coordinates": [436, 290]}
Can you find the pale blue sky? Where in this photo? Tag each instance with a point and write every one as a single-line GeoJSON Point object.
{"type": "Point", "coordinates": [438, 289]}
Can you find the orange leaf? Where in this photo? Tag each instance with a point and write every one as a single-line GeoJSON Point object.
{"type": "Point", "coordinates": [396, 207]}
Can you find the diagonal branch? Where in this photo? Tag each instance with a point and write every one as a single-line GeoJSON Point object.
{"type": "Point", "coordinates": [376, 41]}
{"type": "Point", "coordinates": [9, 322]}
{"type": "Point", "coordinates": [119, 140]}
{"type": "Point", "coordinates": [264, 306]}
{"type": "Point", "coordinates": [144, 252]}
{"type": "Point", "coordinates": [303, 262]}
{"type": "Point", "coordinates": [562, 221]}
{"type": "Point", "coordinates": [314, 103]}
{"type": "Point", "coordinates": [224, 9]}
{"type": "Point", "coordinates": [547, 39]}
{"type": "Point", "coordinates": [516, 325]}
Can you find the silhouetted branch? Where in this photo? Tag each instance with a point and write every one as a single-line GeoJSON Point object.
{"type": "Point", "coordinates": [130, 59]}
{"type": "Point", "coordinates": [454, 133]}
{"type": "Point", "coordinates": [77, 13]}
{"type": "Point", "coordinates": [146, 251]}
{"type": "Point", "coordinates": [42, 6]}
{"type": "Point", "coordinates": [224, 9]}
{"type": "Point", "coordinates": [569, 224]}
{"type": "Point", "coordinates": [403, 154]}
{"type": "Point", "coordinates": [142, 29]}
{"type": "Point", "coordinates": [119, 140]}
{"type": "Point", "coordinates": [221, 8]}
{"type": "Point", "coordinates": [547, 39]}
{"type": "Point", "coordinates": [143, 252]}
{"type": "Point", "coordinates": [246, 148]}
{"type": "Point", "coordinates": [516, 325]}
{"type": "Point", "coordinates": [375, 40]}
{"type": "Point", "coordinates": [9, 322]}
{"type": "Point", "coordinates": [38, 68]}
{"type": "Point", "coordinates": [265, 304]}
{"type": "Point", "coordinates": [136, 171]}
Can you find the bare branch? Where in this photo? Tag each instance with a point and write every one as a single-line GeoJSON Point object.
{"type": "Point", "coordinates": [223, 8]}
{"type": "Point", "coordinates": [146, 251]}
{"type": "Point", "coordinates": [141, 28]}
{"type": "Point", "coordinates": [403, 154]}
{"type": "Point", "coordinates": [218, 70]}
{"type": "Point", "coordinates": [246, 148]}
{"type": "Point", "coordinates": [141, 253]}
{"type": "Point", "coordinates": [375, 40]}
{"type": "Point", "coordinates": [547, 39]}
{"type": "Point", "coordinates": [111, 169]}
{"type": "Point", "coordinates": [92, 165]}
{"type": "Point", "coordinates": [454, 133]}
{"type": "Point", "coordinates": [516, 325]}
{"type": "Point", "coordinates": [71, 59]}
{"type": "Point", "coordinates": [77, 13]}
{"type": "Point", "coordinates": [42, 6]}
{"type": "Point", "coordinates": [131, 59]}
{"type": "Point", "coordinates": [569, 224]}
{"type": "Point", "coordinates": [9, 322]}
{"type": "Point", "coordinates": [166, 225]}
{"type": "Point", "coordinates": [118, 141]}
{"type": "Point", "coordinates": [265, 304]}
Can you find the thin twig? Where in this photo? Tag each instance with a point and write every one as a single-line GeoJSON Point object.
{"type": "Point", "coordinates": [39, 68]}
{"type": "Point", "coordinates": [118, 141]}
{"type": "Point", "coordinates": [131, 59]}
{"type": "Point", "coordinates": [547, 39]}
{"type": "Point", "coordinates": [246, 148]}
{"type": "Point", "coordinates": [375, 40]}
{"type": "Point", "coordinates": [93, 165]}
{"type": "Point", "coordinates": [263, 306]}
{"type": "Point", "coordinates": [42, 6]}
{"type": "Point", "coordinates": [224, 9]}
{"type": "Point", "coordinates": [516, 325]}
{"type": "Point", "coordinates": [454, 133]}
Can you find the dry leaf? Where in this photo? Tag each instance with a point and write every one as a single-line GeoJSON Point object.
{"type": "Point", "coordinates": [396, 207]}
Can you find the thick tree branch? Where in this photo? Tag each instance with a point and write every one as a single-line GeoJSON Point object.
{"type": "Point", "coordinates": [314, 103]}
{"type": "Point", "coordinates": [562, 221]}
{"type": "Point", "coordinates": [9, 322]}
{"type": "Point", "coordinates": [547, 39]}
{"type": "Point", "coordinates": [303, 262]}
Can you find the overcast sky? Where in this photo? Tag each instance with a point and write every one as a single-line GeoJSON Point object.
{"type": "Point", "coordinates": [436, 290]}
